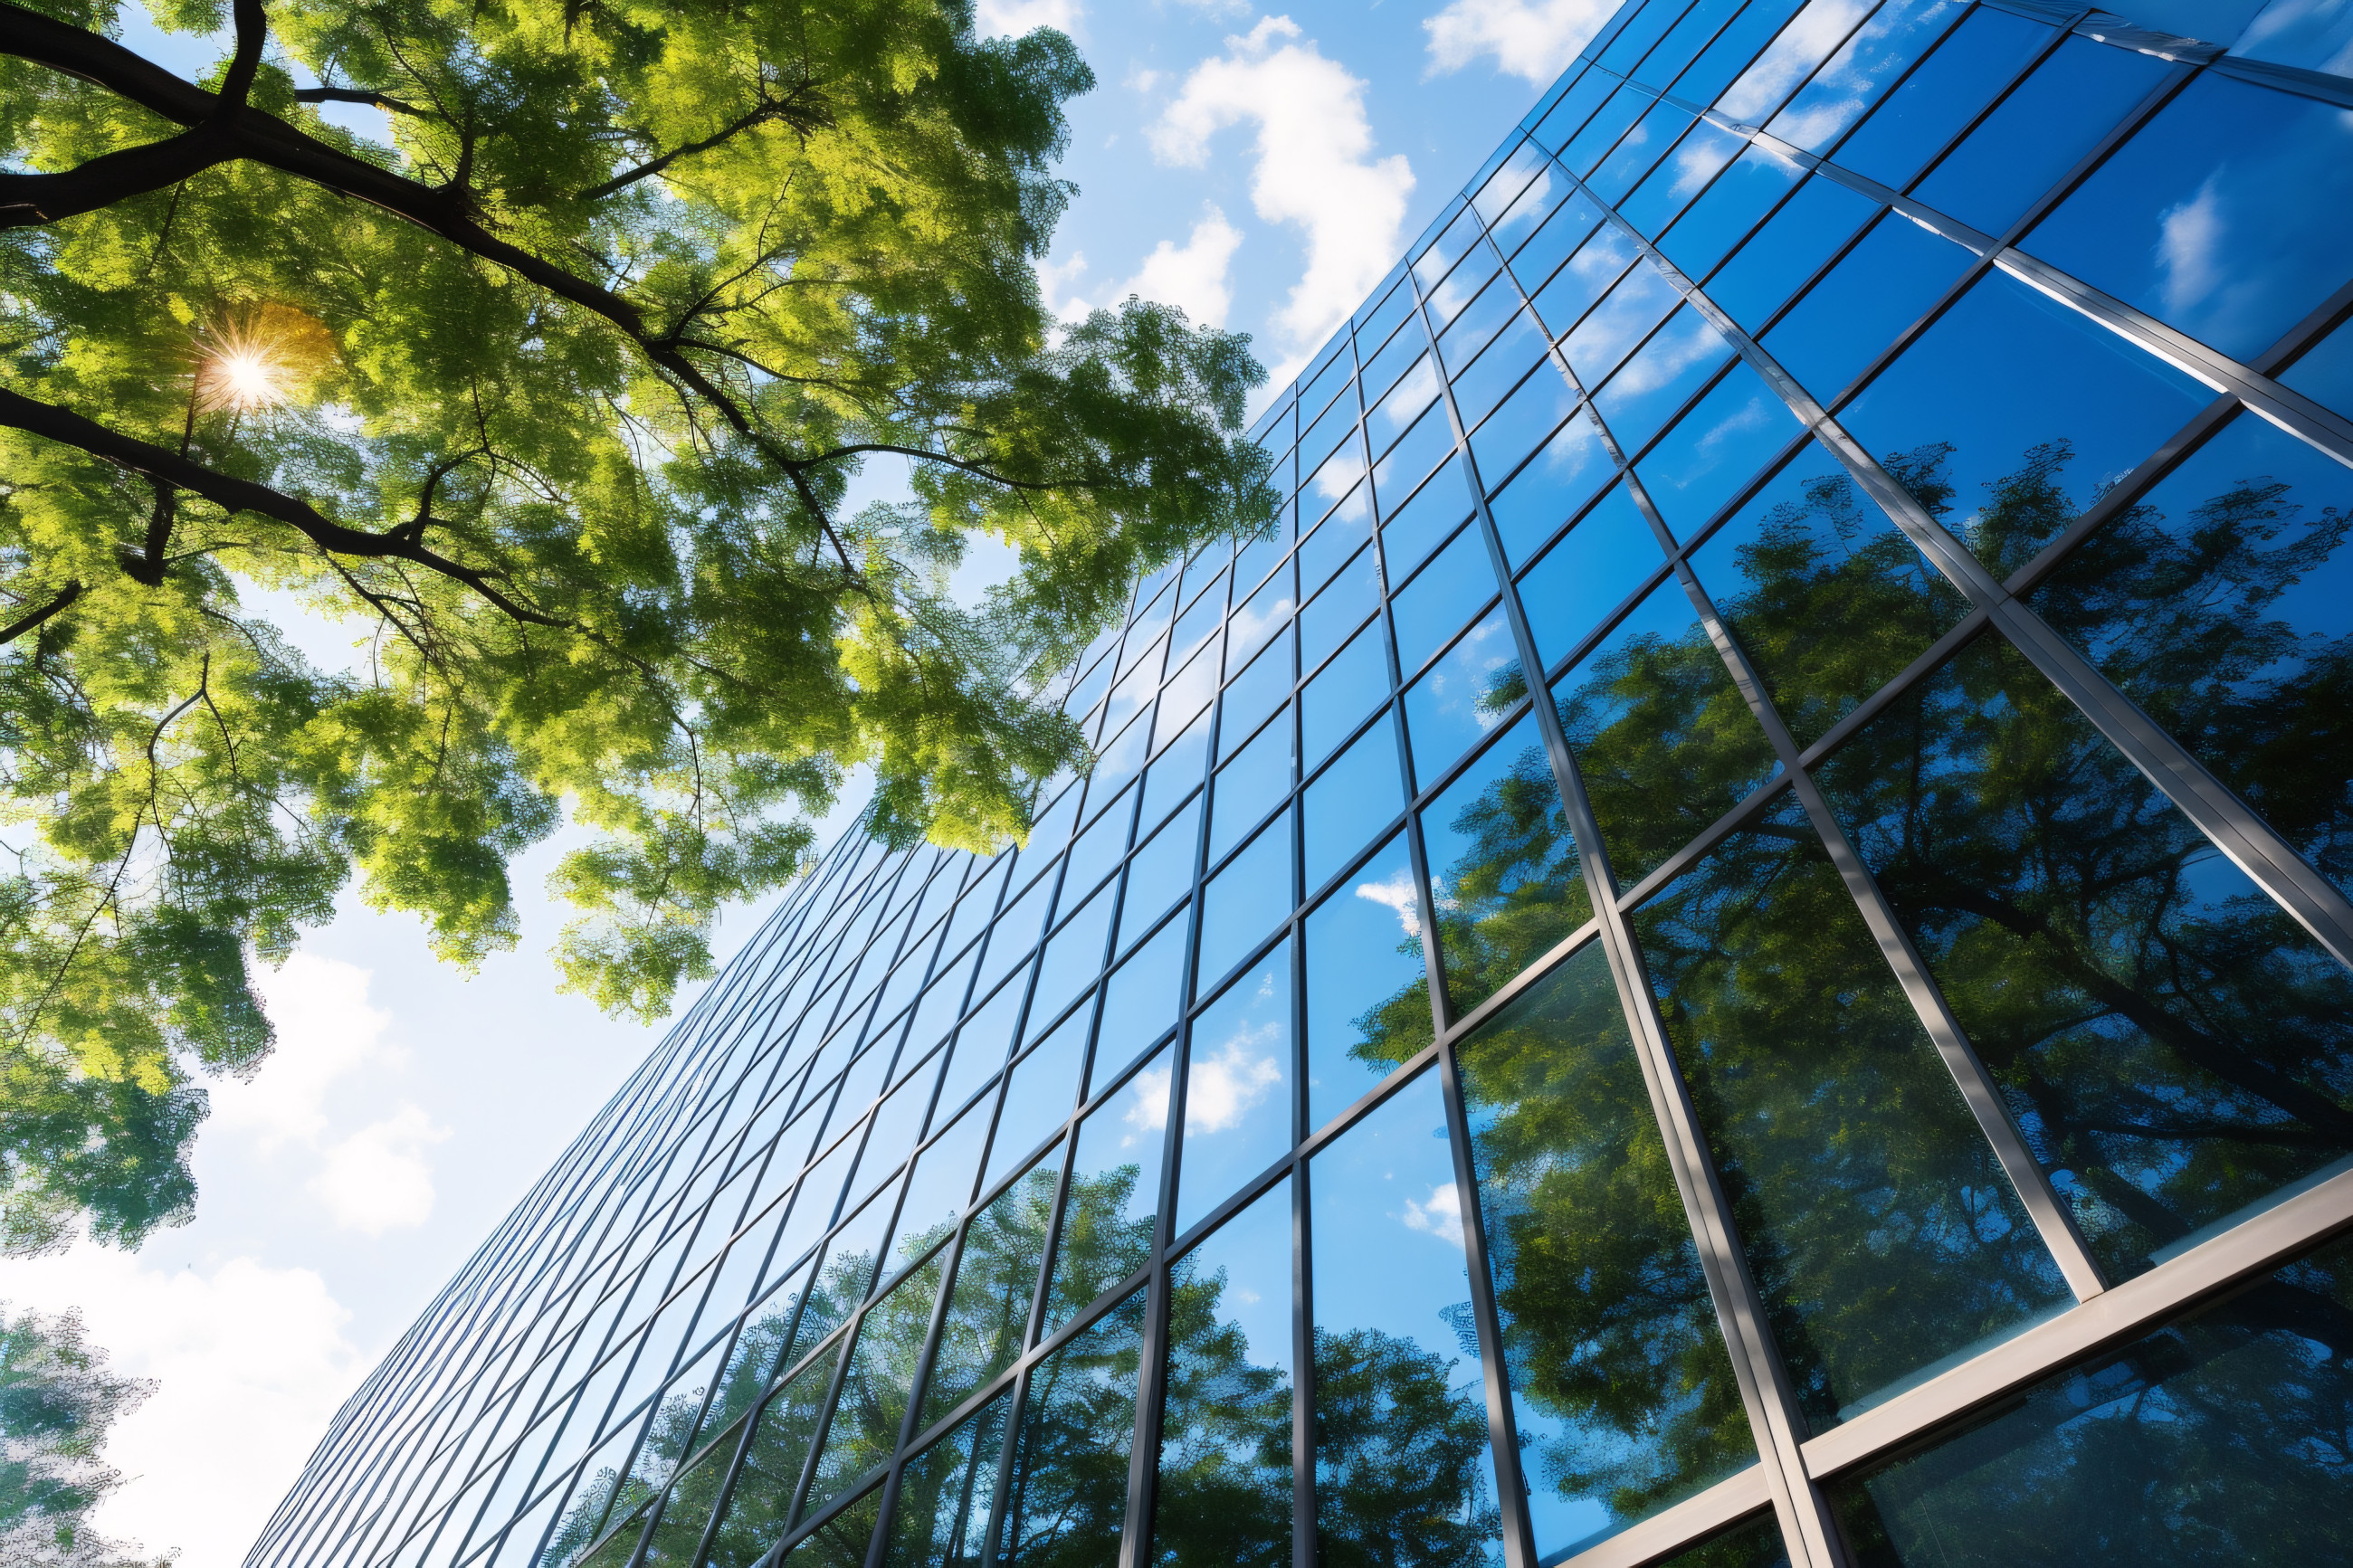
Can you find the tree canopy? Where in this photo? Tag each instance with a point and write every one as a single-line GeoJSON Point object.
{"type": "Point", "coordinates": [555, 398]}
{"type": "Point", "coordinates": [57, 1401]}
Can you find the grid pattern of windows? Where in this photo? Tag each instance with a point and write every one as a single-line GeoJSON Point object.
{"type": "Point", "coordinates": [1728, 947]}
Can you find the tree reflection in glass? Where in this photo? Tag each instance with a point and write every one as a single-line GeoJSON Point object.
{"type": "Point", "coordinates": [1404, 1474]}
{"type": "Point", "coordinates": [941, 1519]}
{"type": "Point", "coordinates": [1225, 1491]}
{"type": "Point", "coordinates": [1625, 1397]}
{"type": "Point", "coordinates": [1068, 1499]}
{"type": "Point", "coordinates": [2221, 1438]}
{"type": "Point", "coordinates": [2174, 1046]}
{"type": "Point", "coordinates": [996, 1284]}
{"type": "Point", "coordinates": [1883, 1235]}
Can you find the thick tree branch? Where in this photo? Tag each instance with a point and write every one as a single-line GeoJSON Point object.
{"type": "Point", "coordinates": [24, 623]}
{"type": "Point", "coordinates": [252, 31]}
{"type": "Point", "coordinates": [165, 467]}
{"type": "Point", "coordinates": [361, 95]}
{"type": "Point", "coordinates": [929, 457]}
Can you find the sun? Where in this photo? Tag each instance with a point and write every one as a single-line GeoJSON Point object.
{"type": "Point", "coordinates": [261, 359]}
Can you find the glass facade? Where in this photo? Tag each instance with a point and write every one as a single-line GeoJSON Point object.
{"type": "Point", "coordinates": [1729, 948]}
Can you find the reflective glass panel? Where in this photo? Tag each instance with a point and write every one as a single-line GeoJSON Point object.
{"type": "Point", "coordinates": [1336, 700]}
{"type": "Point", "coordinates": [1350, 801]}
{"type": "Point", "coordinates": [1160, 874]}
{"type": "Point", "coordinates": [1881, 1231]}
{"type": "Point", "coordinates": [1624, 1396]}
{"type": "Point", "coordinates": [1237, 1076]}
{"type": "Point", "coordinates": [1039, 1095]}
{"type": "Point", "coordinates": [1141, 999]}
{"type": "Point", "coordinates": [1609, 554]}
{"type": "Point", "coordinates": [1247, 788]}
{"type": "Point", "coordinates": [1976, 60]}
{"type": "Point", "coordinates": [1367, 990]}
{"type": "Point", "coordinates": [1555, 482]}
{"type": "Point", "coordinates": [1714, 449]}
{"type": "Point", "coordinates": [1885, 284]}
{"type": "Point", "coordinates": [1401, 1427]}
{"type": "Point", "coordinates": [1247, 898]}
{"type": "Point", "coordinates": [1464, 695]}
{"type": "Point", "coordinates": [1068, 1499]}
{"type": "Point", "coordinates": [996, 1280]}
{"type": "Point", "coordinates": [944, 1492]}
{"type": "Point", "coordinates": [1433, 607]}
{"type": "Point", "coordinates": [878, 1383]}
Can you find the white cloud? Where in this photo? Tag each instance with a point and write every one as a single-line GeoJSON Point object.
{"type": "Point", "coordinates": [1314, 163]}
{"type": "Point", "coordinates": [371, 1180]}
{"type": "Point", "coordinates": [1440, 1214]}
{"type": "Point", "coordinates": [1396, 894]}
{"type": "Point", "coordinates": [377, 1179]}
{"type": "Point", "coordinates": [1191, 277]}
{"type": "Point", "coordinates": [1221, 1088]}
{"type": "Point", "coordinates": [1147, 1105]}
{"type": "Point", "coordinates": [250, 1361]}
{"type": "Point", "coordinates": [1535, 41]}
{"type": "Point", "coordinates": [1801, 46]}
{"type": "Point", "coordinates": [2189, 246]}
{"type": "Point", "coordinates": [1011, 18]}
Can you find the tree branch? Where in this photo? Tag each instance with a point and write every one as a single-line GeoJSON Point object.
{"type": "Point", "coordinates": [252, 31]}
{"type": "Point", "coordinates": [367, 96]}
{"type": "Point", "coordinates": [27, 622]}
{"type": "Point", "coordinates": [802, 116]}
{"type": "Point", "coordinates": [928, 456]}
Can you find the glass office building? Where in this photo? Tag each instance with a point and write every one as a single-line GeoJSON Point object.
{"type": "Point", "coordinates": [1729, 949]}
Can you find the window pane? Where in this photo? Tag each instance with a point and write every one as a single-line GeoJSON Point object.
{"type": "Point", "coordinates": [1236, 1088]}
{"type": "Point", "coordinates": [1877, 290]}
{"type": "Point", "coordinates": [1625, 1397]}
{"type": "Point", "coordinates": [1336, 700]}
{"type": "Point", "coordinates": [1727, 211]}
{"type": "Point", "coordinates": [1977, 60]}
{"type": "Point", "coordinates": [1367, 991]}
{"type": "Point", "coordinates": [1225, 1435]}
{"type": "Point", "coordinates": [1401, 1450]}
{"type": "Point", "coordinates": [1827, 600]}
{"type": "Point", "coordinates": [1714, 449]}
{"type": "Point", "coordinates": [1260, 690]}
{"type": "Point", "coordinates": [1532, 413]}
{"type": "Point", "coordinates": [1141, 1000]}
{"type": "Point", "coordinates": [2223, 217]}
{"type": "Point", "coordinates": [1099, 848]}
{"type": "Point", "coordinates": [1873, 58]}
{"type": "Point", "coordinates": [1160, 874]}
{"type": "Point", "coordinates": [2218, 1434]}
{"type": "Point", "coordinates": [1074, 956]}
{"type": "Point", "coordinates": [2222, 604]}
{"type": "Point", "coordinates": [771, 1468]}
{"type": "Point", "coordinates": [1246, 900]}
{"type": "Point", "coordinates": [1325, 551]}
{"type": "Point", "coordinates": [1598, 264]}
{"type": "Point", "coordinates": [1264, 613]}
{"type": "Point", "coordinates": [841, 1542]}
{"type": "Point", "coordinates": [941, 1188]}
{"type": "Point", "coordinates": [1504, 870]}
{"type": "Point", "coordinates": [1249, 788]}
{"type": "Point", "coordinates": [1433, 607]}
{"type": "Point", "coordinates": [864, 1431]}
{"type": "Point", "coordinates": [1544, 250]}
{"type": "Point", "coordinates": [945, 1493]}
{"type": "Point", "coordinates": [1334, 616]}
{"type": "Point", "coordinates": [1114, 1195]}
{"type": "Point", "coordinates": [1039, 1095]}
{"type": "Point", "coordinates": [1069, 1495]}
{"type": "Point", "coordinates": [996, 1279]}
{"type": "Point", "coordinates": [1609, 554]}
{"type": "Point", "coordinates": [1655, 384]}
{"type": "Point", "coordinates": [2076, 401]}
{"type": "Point", "coordinates": [2174, 1045]}
{"type": "Point", "coordinates": [1555, 482]}
{"type": "Point", "coordinates": [1407, 537]}
{"type": "Point", "coordinates": [1620, 322]}
{"type": "Point", "coordinates": [1883, 1237]}
{"type": "Point", "coordinates": [1353, 799]}
{"type": "Point", "coordinates": [1463, 695]}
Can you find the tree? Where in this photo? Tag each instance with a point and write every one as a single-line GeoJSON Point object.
{"type": "Point", "coordinates": [56, 1401]}
{"type": "Point", "coordinates": [554, 398]}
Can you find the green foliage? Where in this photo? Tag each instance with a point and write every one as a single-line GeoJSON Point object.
{"type": "Point", "coordinates": [56, 1401]}
{"type": "Point", "coordinates": [551, 401]}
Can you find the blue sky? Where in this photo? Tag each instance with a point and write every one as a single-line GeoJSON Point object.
{"type": "Point", "coordinates": [1261, 169]}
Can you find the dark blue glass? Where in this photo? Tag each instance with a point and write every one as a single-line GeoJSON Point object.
{"type": "Point", "coordinates": [1447, 593]}
{"type": "Point", "coordinates": [1352, 800]}
{"type": "Point", "coordinates": [1462, 696]}
{"type": "Point", "coordinates": [1788, 250]}
{"type": "Point", "coordinates": [2056, 117]}
{"type": "Point", "coordinates": [1554, 483]}
{"type": "Point", "coordinates": [2226, 217]}
{"type": "Point", "coordinates": [1160, 873]}
{"type": "Point", "coordinates": [1392, 1301]}
{"type": "Point", "coordinates": [2003, 373]}
{"type": "Point", "coordinates": [1602, 132]}
{"type": "Point", "coordinates": [1680, 177]}
{"type": "Point", "coordinates": [2325, 372]}
{"type": "Point", "coordinates": [1140, 1000]}
{"type": "Point", "coordinates": [1640, 33]}
{"type": "Point", "coordinates": [1567, 116]}
{"type": "Point", "coordinates": [1410, 536]}
{"type": "Point", "coordinates": [1325, 551]}
{"type": "Point", "coordinates": [1977, 60]}
{"type": "Point", "coordinates": [1727, 210]}
{"type": "Point", "coordinates": [1533, 412]}
{"type": "Point", "coordinates": [1733, 48]}
{"type": "Point", "coordinates": [1641, 299]}
{"type": "Point", "coordinates": [1245, 900]}
{"type": "Point", "coordinates": [1341, 694]}
{"type": "Point", "coordinates": [1863, 68]}
{"type": "Point", "coordinates": [1664, 741]}
{"type": "Point", "coordinates": [1538, 198]}
{"type": "Point", "coordinates": [1589, 274]}
{"type": "Point", "coordinates": [1648, 388]}
{"type": "Point", "coordinates": [1881, 286]}
{"type": "Point", "coordinates": [2217, 1429]}
{"type": "Point", "coordinates": [1497, 304]}
{"type": "Point", "coordinates": [1367, 991]}
{"type": "Point", "coordinates": [1248, 787]}
{"type": "Point", "coordinates": [1334, 616]}
{"type": "Point", "coordinates": [1237, 1078]}
{"type": "Point", "coordinates": [1607, 555]}
{"type": "Point", "coordinates": [1038, 1094]}
{"type": "Point", "coordinates": [1683, 41]}
{"type": "Point", "coordinates": [1716, 448]}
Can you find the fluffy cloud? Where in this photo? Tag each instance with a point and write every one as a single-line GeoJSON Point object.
{"type": "Point", "coordinates": [1314, 166]}
{"type": "Point", "coordinates": [1011, 18]}
{"type": "Point", "coordinates": [371, 1180]}
{"type": "Point", "coordinates": [1224, 1084]}
{"type": "Point", "coordinates": [1193, 277]}
{"type": "Point", "coordinates": [1535, 40]}
{"type": "Point", "coordinates": [252, 1363]}
{"type": "Point", "coordinates": [1398, 896]}
{"type": "Point", "coordinates": [1440, 1215]}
